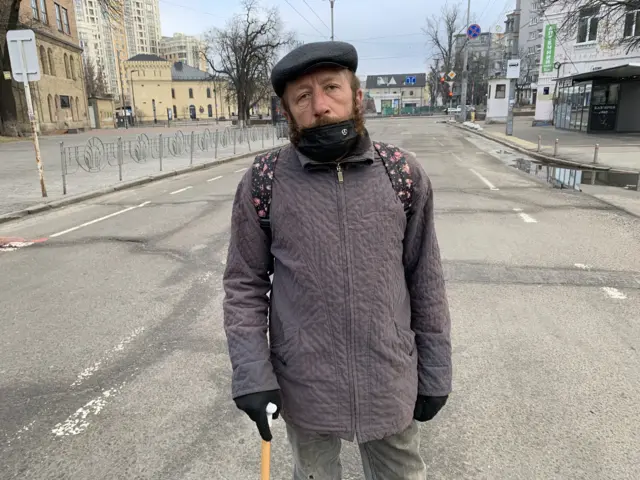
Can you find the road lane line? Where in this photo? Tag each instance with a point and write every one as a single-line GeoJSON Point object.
{"type": "Point", "coordinates": [86, 224]}
{"type": "Point", "coordinates": [181, 190]}
{"type": "Point", "coordinates": [215, 178]}
{"type": "Point", "coordinates": [583, 266]}
{"type": "Point", "coordinates": [614, 293]}
{"type": "Point", "coordinates": [484, 180]}
{"type": "Point", "coordinates": [527, 218]}
{"type": "Point", "coordinates": [241, 170]}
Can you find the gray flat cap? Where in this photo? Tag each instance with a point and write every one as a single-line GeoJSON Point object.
{"type": "Point", "coordinates": [310, 56]}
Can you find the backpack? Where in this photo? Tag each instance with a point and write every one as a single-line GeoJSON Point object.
{"type": "Point", "coordinates": [264, 167]}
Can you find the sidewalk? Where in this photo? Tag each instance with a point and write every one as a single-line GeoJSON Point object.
{"type": "Point", "coordinates": [620, 151]}
{"type": "Point", "coordinates": [627, 200]}
{"type": "Point", "coordinates": [92, 163]}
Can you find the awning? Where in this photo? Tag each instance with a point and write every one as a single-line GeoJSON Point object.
{"type": "Point", "coordinates": [629, 70]}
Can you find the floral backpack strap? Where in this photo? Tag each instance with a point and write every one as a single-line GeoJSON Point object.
{"type": "Point", "coordinates": [262, 172]}
{"type": "Point", "coordinates": [399, 172]}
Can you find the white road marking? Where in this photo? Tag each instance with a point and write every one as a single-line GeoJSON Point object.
{"type": "Point", "coordinates": [484, 180]}
{"type": "Point", "coordinates": [215, 178]}
{"type": "Point", "coordinates": [527, 218]}
{"type": "Point", "coordinates": [181, 190]}
{"type": "Point", "coordinates": [19, 433]}
{"type": "Point", "coordinates": [440, 143]}
{"type": "Point", "coordinates": [89, 371]}
{"type": "Point", "coordinates": [241, 170]}
{"type": "Point", "coordinates": [583, 266]}
{"type": "Point", "coordinates": [614, 293]}
{"type": "Point", "coordinates": [13, 246]}
{"type": "Point", "coordinates": [77, 422]}
{"type": "Point", "coordinates": [119, 212]}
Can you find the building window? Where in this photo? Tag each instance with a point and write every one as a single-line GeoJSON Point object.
{"type": "Point", "coordinates": [77, 108]}
{"type": "Point", "coordinates": [34, 10]}
{"type": "Point", "coordinates": [73, 68]}
{"type": "Point", "coordinates": [65, 21]}
{"type": "Point", "coordinates": [533, 35]}
{"type": "Point", "coordinates": [632, 21]}
{"type": "Point", "coordinates": [208, 92]}
{"type": "Point", "coordinates": [58, 17]}
{"type": "Point", "coordinates": [588, 24]}
{"type": "Point", "coordinates": [191, 93]}
{"type": "Point", "coordinates": [210, 110]}
{"type": "Point", "coordinates": [71, 105]}
{"type": "Point", "coordinates": [43, 12]}
{"type": "Point", "coordinates": [175, 112]}
{"type": "Point", "coordinates": [410, 93]}
{"type": "Point", "coordinates": [66, 66]}
{"type": "Point", "coordinates": [43, 60]}
{"type": "Point", "coordinates": [52, 66]}
{"type": "Point", "coordinates": [51, 108]}
{"type": "Point", "coordinates": [65, 101]}
{"type": "Point", "coordinates": [173, 93]}
{"type": "Point", "coordinates": [501, 90]}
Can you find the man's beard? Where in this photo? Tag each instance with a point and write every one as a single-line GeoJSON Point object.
{"type": "Point", "coordinates": [295, 132]}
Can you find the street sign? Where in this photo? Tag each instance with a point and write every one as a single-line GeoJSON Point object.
{"type": "Point", "coordinates": [25, 68]}
{"type": "Point", "coordinates": [513, 68]}
{"type": "Point", "coordinates": [410, 80]}
{"type": "Point", "coordinates": [473, 31]}
{"type": "Point", "coordinates": [451, 74]}
{"type": "Point", "coordinates": [7, 75]}
{"type": "Point", "coordinates": [23, 52]}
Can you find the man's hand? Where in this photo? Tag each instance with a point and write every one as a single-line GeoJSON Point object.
{"type": "Point", "coordinates": [255, 405]}
{"type": "Point", "coordinates": [427, 407]}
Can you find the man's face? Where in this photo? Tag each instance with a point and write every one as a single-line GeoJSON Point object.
{"type": "Point", "coordinates": [320, 98]}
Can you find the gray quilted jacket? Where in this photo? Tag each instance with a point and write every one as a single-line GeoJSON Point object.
{"type": "Point", "coordinates": [359, 321]}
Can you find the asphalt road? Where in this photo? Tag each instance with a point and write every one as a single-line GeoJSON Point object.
{"type": "Point", "coordinates": [113, 359]}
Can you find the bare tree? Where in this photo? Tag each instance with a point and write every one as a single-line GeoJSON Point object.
{"type": "Point", "coordinates": [95, 79]}
{"type": "Point", "coordinates": [614, 23]}
{"type": "Point", "coordinates": [441, 31]}
{"type": "Point", "coordinates": [10, 20]}
{"type": "Point", "coordinates": [245, 51]}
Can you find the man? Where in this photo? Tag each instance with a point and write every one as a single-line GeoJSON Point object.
{"type": "Point", "coordinates": [358, 321]}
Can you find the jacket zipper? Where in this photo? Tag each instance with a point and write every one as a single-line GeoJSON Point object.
{"type": "Point", "coordinates": [351, 366]}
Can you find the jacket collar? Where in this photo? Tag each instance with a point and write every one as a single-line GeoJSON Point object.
{"type": "Point", "coordinates": [362, 155]}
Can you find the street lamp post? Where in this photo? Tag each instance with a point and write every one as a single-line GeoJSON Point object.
{"type": "Point", "coordinates": [332, 2]}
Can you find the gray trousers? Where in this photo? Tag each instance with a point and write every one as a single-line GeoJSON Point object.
{"type": "Point", "coordinates": [396, 457]}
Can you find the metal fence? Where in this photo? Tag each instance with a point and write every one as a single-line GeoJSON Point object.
{"type": "Point", "coordinates": [96, 156]}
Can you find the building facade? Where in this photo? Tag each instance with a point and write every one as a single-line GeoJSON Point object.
{"type": "Point", "coordinates": [530, 47]}
{"type": "Point", "coordinates": [393, 92]}
{"type": "Point", "coordinates": [142, 26]}
{"type": "Point", "coordinates": [163, 89]}
{"type": "Point", "coordinates": [103, 40]}
{"type": "Point", "coordinates": [184, 48]}
{"type": "Point", "coordinates": [59, 98]}
{"type": "Point", "coordinates": [588, 80]}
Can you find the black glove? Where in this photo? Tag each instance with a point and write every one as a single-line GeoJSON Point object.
{"type": "Point", "coordinates": [427, 407]}
{"type": "Point", "coordinates": [255, 405]}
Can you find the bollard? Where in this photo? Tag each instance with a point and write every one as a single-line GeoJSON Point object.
{"type": "Point", "coordinates": [595, 153]}
{"type": "Point", "coordinates": [555, 148]}
{"type": "Point", "coordinates": [274, 135]}
{"type": "Point", "coordinates": [234, 140]}
{"type": "Point", "coordinates": [248, 138]}
{"type": "Point", "coordinates": [593, 177]}
{"type": "Point", "coordinates": [120, 158]}
{"type": "Point", "coordinates": [539, 143]}
{"type": "Point", "coordinates": [63, 165]}
{"type": "Point", "coordinates": [160, 150]}
{"type": "Point", "coordinates": [262, 130]}
{"type": "Point", "coordinates": [191, 150]}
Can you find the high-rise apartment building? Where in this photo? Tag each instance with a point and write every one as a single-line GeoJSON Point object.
{"type": "Point", "coordinates": [184, 48]}
{"type": "Point", "coordinates": [142, 26]}
{"type": "Point", "coordinates": [102, 37]}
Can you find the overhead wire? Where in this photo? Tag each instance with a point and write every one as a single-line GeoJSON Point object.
{"type": "Point", "coordinates": [317, 16]}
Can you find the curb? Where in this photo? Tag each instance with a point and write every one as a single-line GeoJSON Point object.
{"type": "Point", "coordinates": [43, 207]}
{"type": "Point", "coordinates": [547, 159]}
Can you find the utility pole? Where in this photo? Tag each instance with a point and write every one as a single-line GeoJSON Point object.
{"type": "Point", "coordinates": [332, 2]}
{"type": "Point", "coordinates": [515, 48]}
{"type": "Point", "coordinates": [465, 62]}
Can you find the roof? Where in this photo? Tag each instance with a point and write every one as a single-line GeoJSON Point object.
{"type": "Point", "coordinates": [621, 71]}
{"type": "Point", "coordinates": [396, 80]}
{"type": "Point", "coordinates": [183, 72]}
{"type": "Point", "coordinates": [146, 57]}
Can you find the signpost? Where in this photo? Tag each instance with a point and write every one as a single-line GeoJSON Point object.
{"type": "Point", "coordinates": [513, 73]}
{"type": "Point", "coordinates": [25, 68]}
{"type": "Point", "coordinates": [473, 31]}
{"type": "Point", "coordinates": [451, 75]}
{"type": "Point", "coordinates": [410, 80]}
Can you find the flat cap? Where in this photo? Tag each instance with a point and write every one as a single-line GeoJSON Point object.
{"type": "Point", "coordinates": [310, 56]}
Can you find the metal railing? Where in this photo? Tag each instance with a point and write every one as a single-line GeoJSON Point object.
{"type": "Point", "coordinates": [96, 156]}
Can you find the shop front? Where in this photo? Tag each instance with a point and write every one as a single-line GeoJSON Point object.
{"type": "Point", "coordinates": [600, 101]}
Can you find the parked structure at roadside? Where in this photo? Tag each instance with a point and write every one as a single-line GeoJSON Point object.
{"type": "Point", "coordinates": [59, 98]}
{"type": "Point", "coordinates": [393, 93]}
{"type": "Point", "coordinates": [588, 80]}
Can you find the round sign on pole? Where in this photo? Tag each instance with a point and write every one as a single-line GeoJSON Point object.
{"type": "Point", "coordinates": [473, 31]}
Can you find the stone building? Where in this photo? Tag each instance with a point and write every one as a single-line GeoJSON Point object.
{"type": "Point", "coordinates": [59, 97]}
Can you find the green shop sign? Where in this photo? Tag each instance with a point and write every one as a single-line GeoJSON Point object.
{"type": "Point", "coordinates": [549, 52]}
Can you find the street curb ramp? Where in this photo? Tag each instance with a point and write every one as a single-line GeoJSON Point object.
{"type": "Point", "coordinates": [70, 200]}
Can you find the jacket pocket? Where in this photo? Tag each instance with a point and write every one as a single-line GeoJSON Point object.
{"type": "Point", "coordinates": [281, 347]}
{"type": "Point", "coordinates": [406, 339]}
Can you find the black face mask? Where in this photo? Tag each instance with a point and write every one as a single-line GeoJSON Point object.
{"type": "Point", "coordinates": [328, 143]}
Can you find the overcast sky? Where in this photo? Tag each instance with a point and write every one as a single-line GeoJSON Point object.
{"type": "Point", "coordinates": [387, 33]}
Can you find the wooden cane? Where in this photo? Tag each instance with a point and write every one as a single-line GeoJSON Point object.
{"type": "Point", "coordinates": [265, 466]}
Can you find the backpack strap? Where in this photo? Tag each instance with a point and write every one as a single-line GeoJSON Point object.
{"type": "Point", "coordinates": [264, 167]}
{"type": "Point", "coordinates": [399, 172]}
